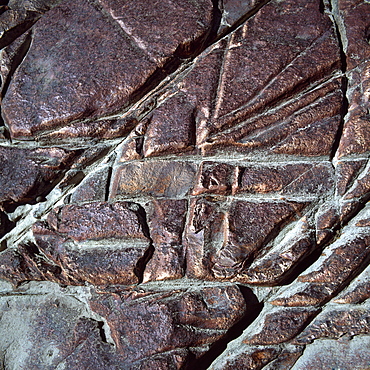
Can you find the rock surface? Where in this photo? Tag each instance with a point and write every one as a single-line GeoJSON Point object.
{"type": "Point", "coordinates": [184, 184]}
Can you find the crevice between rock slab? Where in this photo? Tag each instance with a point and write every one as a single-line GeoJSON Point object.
{"type": "Point", "coordinates": [143, 261]}
{"type": "Point", "coordinates": [254, 308]}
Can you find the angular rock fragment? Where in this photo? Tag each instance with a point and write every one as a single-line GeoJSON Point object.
{"type": "Point", "coordinates": [286, 359]}
{"type": "Point", "coordinates": [335, 322]}
{"type": "Point", "coordinates": [301, 179]}
{"type": "Point", "coordinates": [45, 329]}
{"type": "Point", "coordinates": [356, 132]}
{"type": "Point", "coordinates": [358, 291]}
{"type": "Point", "coordinates": [250, 226]}
{"type": "Point", "coordinates": [10, 57]}
{"type": "Point", "coordinates": [347, 171]}
{"type": "Point", "coordinates": [273, 266]}
{"type": "Point", "coordinates": [216, 178]}
{"type": "Point", "coordinates": [71, 85]}
{"type": "Point", "coordinates": [279, 326]}
{"type": "Point", "coordinates": [252, 358]}
{"type": "Point", "coordinates": [156, 178]}
{"type": "Point", "coordinates": [145, 324]}
{"type": "Point", "coordinates": [166, 221]}
{"type": "Point", "coordinates": [327, 220]}
{"type": "Point", "coordinates": [98, 242]}
{"type": "Point", "coordinates": [204, 236]}
{"type": "Point", "coordinates": [19, 15]}
{"type": "Point", "coordinates": [354, 15]}
{"type": "Point", "coordinates": [171, 128]}
{"type": "Point", "coordinates": [93, 187]}
{"type": "Point", "coordinates": [26, 174]}
{"type": "Point", "coordinates": [235, 10]}
{"type": "Point", "coordinates": [264, 71]}
{"type": "Point", "coordinates": [98, 220]}
{"type": "Point", "coordinates": [339, 263]}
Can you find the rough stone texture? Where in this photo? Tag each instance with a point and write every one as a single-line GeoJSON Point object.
{"type": "Point", "coordinates": [26, 174]}
{"type": "Point", "coordinates": [184, 184]}
{"type": "Point", "coordinates": [157, 178]}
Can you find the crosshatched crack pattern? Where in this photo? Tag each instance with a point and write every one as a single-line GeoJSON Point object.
{"type": "Point", "coordinates": [184, 184]}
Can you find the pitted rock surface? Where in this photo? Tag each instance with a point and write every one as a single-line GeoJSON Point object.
{"type": "Point", "coordinates": [184, 184]}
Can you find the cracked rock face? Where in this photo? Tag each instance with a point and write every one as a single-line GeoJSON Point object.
{"type": "Point", "coordinates": [184, 184]}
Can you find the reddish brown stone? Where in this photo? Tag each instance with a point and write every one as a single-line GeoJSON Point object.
{"type": "Point", "coordinates": [132, 147]}
{"type": "Point", "coordinates": [103, 129]}
{"type": "Point", "coordinates": [251, 225]}
{"type": "Point", "coordinates": [356, 294]}
{"type": "Point", "coordinates": [306, 126]}
{"type": "Point", "coordinates": [55, 257]}
{"type": "Point", "coordinates": [53, 63]}
{"type": "Point", "coordinates": [335, 323]}
{"type": "Point", "coordinates": [361, 186]}
{"type": "Point", "coordinates": [115, 262]}
{"type": "Point", "coordinates": [19, 15]}
{"type": "Point", "coordinates": [263, 56]}
{"type": "Point", "coordinates": [307, 295]}
{"type": "Point", "coordinates": [166, 220]}
{"type": "Point", "coordinates": [300, 179]}
{"type": "Point", "coordinates": [156, 178]}
{"type": "Point", "coordinates": [98, 220]}
{"type": "Point", "coordinates": [26, 263]}
{"type": "Point", "coordinates": [347, 172]}
{"type": "Point", "coordinates": [93, 187]}
{"type": "Point", "coordinates": [355, 17]}
{"type": "Point", "coordinates": [10, 57]}
{"type": "Point", "coordinates": [163, 28]}
{"type": "Point", "coordinates": [252, 358]}
{"type": "Point", "coordinates": [271, 268]}
{"type": "Point", "coordinates": [356, 130]}
{"type": "Point", "coordinates": [144, 324]}
{"type": "Point", "coordinates": [344, 257]}
{"type": "Point", "coordinates": [171, 128]}
{"type": "Point", "coordinates": [28, 173]}
{"type": "Point", "coordinates": [216, 178]}
{"type": "Point", "coordinates": [338, 264]}
{"type": "Point", "coordinates": [204, 233]}
{"type": "Point", "coordinates": [280, 326]}
{"type": "Point", "coordinates": [68, 83]}
{"type": "Point", "coordinates": [286, 359]}
{"type": "Point", "coordinates": [50, 330]}
{"type": "Point", "coordinates": [327, 219]}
